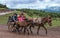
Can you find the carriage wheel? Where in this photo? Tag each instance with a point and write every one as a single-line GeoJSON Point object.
{"type": "Point", "coordinates": [10, 27]}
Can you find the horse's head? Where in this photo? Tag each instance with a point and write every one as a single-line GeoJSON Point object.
{"type": "Point", "coordinates": [47, 20]}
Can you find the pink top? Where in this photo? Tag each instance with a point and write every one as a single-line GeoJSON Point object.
{"type": "Point", "coordinates": [21, 18]}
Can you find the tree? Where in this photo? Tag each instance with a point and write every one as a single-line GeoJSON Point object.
{"type": "Point", "coordinates": [3, 6]}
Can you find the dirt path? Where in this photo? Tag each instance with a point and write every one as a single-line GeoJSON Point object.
{"type": "Point", "coordinates": [52, 33]}
{"type": "Point", "coordinates": [4, 13]}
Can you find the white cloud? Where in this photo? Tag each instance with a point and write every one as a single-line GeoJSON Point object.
{"type": "Point", "coordinates": [32, 6]}
{"type": "Point", "coordinates": [2, 1]}
{"type": "Point", "coordinates": [37, 4]}
{"type": "Point", "coordinates": [53, 4]}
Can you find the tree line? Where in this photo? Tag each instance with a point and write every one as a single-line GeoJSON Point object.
{"type": "Point", "coordinates": [40, 13]}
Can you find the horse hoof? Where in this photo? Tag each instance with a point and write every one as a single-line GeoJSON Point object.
{"type": "Point", "coordinates": [28, 33]}
{"type": "Point", "coordinates": [37, 34]}
{"type": "Point", "coordinates": [46, 34]}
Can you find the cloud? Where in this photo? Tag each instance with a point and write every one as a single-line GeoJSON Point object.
{"type": "Point", "coordinates": [2, 1]}
{"type": "Point", "coordinates": [33, 4]}
{"type": "Point", "coordinates": [22, 1]}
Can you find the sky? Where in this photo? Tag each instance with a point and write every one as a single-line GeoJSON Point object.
{"type": "Point", "coordinates": [32, 4]}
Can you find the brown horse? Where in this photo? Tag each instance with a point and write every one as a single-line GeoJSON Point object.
{"type": "Point", "coordinates": [44, 20]}
{"type": "Point", "coordinates": [23, 25]}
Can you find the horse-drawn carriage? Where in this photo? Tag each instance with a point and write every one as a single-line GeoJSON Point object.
{"type": "Point", "coordinates": [16, 25]}
{"type": "Point", "coordinates": [28, 23]}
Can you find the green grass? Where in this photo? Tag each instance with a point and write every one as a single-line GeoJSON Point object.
{"type": "Point", "coordinates": [3, 19]}
{"type": "Point", "coordinates": [56, 23]}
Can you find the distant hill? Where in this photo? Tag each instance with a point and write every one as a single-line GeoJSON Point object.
{"type": "Point", "coordinates": [53, 9]}
{"type": "Point", "coordinates": [3, 8]}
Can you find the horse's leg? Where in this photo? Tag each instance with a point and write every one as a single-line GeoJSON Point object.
{"type": "Point", "coordinates": [27, 31]}
{"type": "Point", "coordinates": [17, 28]}
{"type": "Point", "coordinates": [14, 24]}
{"type": "Point", "coordinates": [30, 30]}
{"type": "Point", "coordinates": [21, 29]}
{"type": "Point", "coordinates": [24, 29]}
{"type": "Point", "coordinates": [45, 29]}
{"type": "Point", "coordinates": [14, 30]}
{"type": "Point", "coordinates": [31, 26]}
{"type": "Point", "coordinates": [38, 30]}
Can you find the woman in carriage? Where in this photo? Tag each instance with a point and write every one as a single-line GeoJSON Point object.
{"type": "Point", "coordinates": [21, 19]}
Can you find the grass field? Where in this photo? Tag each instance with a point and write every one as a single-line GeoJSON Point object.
{"type": "Point", "coordinates": [3, 19]}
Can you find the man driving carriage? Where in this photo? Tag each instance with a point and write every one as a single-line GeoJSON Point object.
{"type": "Point", "coordinates": [12, 18]}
